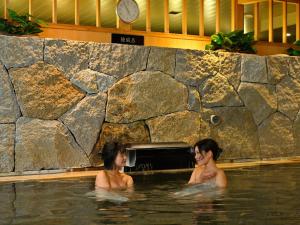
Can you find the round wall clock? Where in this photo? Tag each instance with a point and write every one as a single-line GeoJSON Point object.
{"type": "Point", "coordinates": [128, 10]}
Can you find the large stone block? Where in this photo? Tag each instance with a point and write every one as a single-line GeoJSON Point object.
{"type": "Point", "coordinates": [118, 60]}
{"type": "Point", "coordinates": [278, 68]}
{"type": "Point", "coordinates": [162, 59]}
{"type": "Point", "coordinates": [9, 109]}
{"type": "Point", "coordinates": [294, 67]}
{"type": "Point", "coordinates": [144, 95]}
{"type": "Point", "coordinates": [20, 51]}
{"type": "Point", "coordinates": [230, 67]}
{"type": "Point", "coordinates": [46, 145]}
{"type": "Point", "coordinates": [69, 56]}
{"type": "Point", "coordinates": [236, 133]}
{"type": "Point", "coordinates": [216, 91]}
{"type": "Point", "coordinates": [260, 99]}
{"type": "Point", "coordinates": [193, 67]}
{"type": "Point", "coordinates": [43, 91]}
{"type": "Point", "coordinates": [194, 102]}
{"type": "Point", "coordinates": [85, 120]}
{"type": "Point", "coordinates": [7, 144]}
{"type": "Point", "coordinates": [136, 132]}
{"type": "Point", "coordinates": [296, 129]}
{"type": "Point", "coordinates": [92, 81]}
{"type": "Point", "coordinates": [288, 94]}
{"type": "Point", "coordinates": [254, 69]}
{"type": "Point", "coordinates": [276, 137]}
{"type": "Point", "coordinates": [175, 127]}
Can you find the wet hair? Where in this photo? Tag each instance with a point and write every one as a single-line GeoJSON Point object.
{"type": "Point", "coordinates": [209, 145]}
{"type": "Point", "coordinates": [109, 153]}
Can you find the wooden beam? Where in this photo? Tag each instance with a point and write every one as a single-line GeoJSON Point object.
{"type": "Point", "coordinates": [256, 22]}
{"type": "Point", "coordinates": [284, 21]}
{"type": "Point", "coordinates": [233, 14]}
{"type": "Point", "coordinates": [5, 14]}
{"type": "Point", "coordinates": [217, 16]}
{"type": "Point", "coordinates": [54, 11]}
{"type": "Point", "coordinates": [270, 6]}
{"type": "Point", "coordinates": [98, 13]}
{"type": "Point", "coordinates": [148, 16]}
{"type": "Point", "coordinates": [30, 9]}
{"type": "Point", "coordinates": [166, 17]}
{"type": "Point", "coordinates": [77, 12]}
{"type": "Point", "coordinates": [184, 17]}
{"type": "Point", "coordinates": [298, 21]}
{"type": "Point", "coordinates": [201, 18]}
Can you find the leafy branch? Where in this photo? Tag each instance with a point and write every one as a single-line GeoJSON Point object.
{"type": "Point", "coordinates": [294, 52]}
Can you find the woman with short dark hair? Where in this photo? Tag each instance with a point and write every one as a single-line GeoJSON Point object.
{"type": "Point", "coordinates": [114, 157]}
{"type": "Point", "coordinates": [206, 152]}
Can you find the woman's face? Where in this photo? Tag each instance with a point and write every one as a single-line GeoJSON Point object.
{"type": "Point", "coordinates": [199, 156]}
{"type": "Point", "coordinates": [120, 160]}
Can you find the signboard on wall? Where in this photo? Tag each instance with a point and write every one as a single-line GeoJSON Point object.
{"type": "Point", "coordinates": [127, 39]}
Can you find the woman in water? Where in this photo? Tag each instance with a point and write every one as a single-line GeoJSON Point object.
{"type": "Point", "coordinates": [114, 157]}
{"type": "Point", "coordinates": [206, 153]}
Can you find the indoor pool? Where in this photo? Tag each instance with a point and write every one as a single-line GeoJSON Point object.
{"type": "Point", "coordinates": [256, 195]}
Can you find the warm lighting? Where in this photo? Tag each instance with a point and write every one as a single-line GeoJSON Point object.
{"type": "Point", "coordinates": [288, 34]}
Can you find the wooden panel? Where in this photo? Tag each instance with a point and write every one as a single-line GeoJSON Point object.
{"type": "Point", "coordinates": [30, 8]}
{"type": "Point", "coordinates": [98, 13]}
{"type": "Point", "coordinates": [184, 17]}
{"type": "Point", "coordinates": [217, 16]}
{"type": "Point", "coordinates": [77, 17]}
{"type": "Point", "coordinates": [54, 11]}
{"type": "Point", "coordinates": [284, 21]}
{"type": "Point", "coordinates": [148, 16]}
{"type": "Point", "coordinates": [5, 15]}
{"type": "Point", "coordinates": [256, 22]}
{"type": "Point", "coordinates": [270, 6]}
{"type": "Point", "coordinates": [166, 17]}
{"type": "Point", "coordinates": [201, 18]}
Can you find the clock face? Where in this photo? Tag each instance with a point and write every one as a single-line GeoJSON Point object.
{"type": "Point", "coordinates": [128, 10]}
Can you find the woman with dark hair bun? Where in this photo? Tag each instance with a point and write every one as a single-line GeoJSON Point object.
{"type": "Point", "coordinates": [206, 153]}
{"type": "Point", "coordinates": [114, 157]}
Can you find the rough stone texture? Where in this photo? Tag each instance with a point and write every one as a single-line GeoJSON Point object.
{"type": "Point", "coordinates": [230, 67]}
{"type": "Point", "coordinates": [260, 99]}
{"type": "Point", "coordinates": [194, 102]}
{"type": "Point", "coordinates": [69, 56]}
{"type": "Point", "coordinates": [144, 95]}
{"type": "Point", "coordinates": [176, 127]}
{"type": "Point", "coordinates": [276, 137]}
{"type": "Point", "coordinates": [124, 133]}
{"type": "Point", "coordinates": [9, 109]}
{"type": "Point", "coordinates": [85, 120]}
{"type": "Point", "coordinates": [288, 94]}
{"type": "Point", "coordinates": [278, 68]}
{"type": "Point", "coordinates": [46, 145]}
{"type": "Point", "coordinates": [7, 141]}
{"type": "Point", "coordinates": [236, 133]}
{"type": "Point", "coordinates": [296, 129]}
{"type": "Point", "coordinates": [20, 51]}
{"type": "Point", "coordinates": [43, 91]}
{"type": "Point", "coordinates": [118, 60]}
{"type": "Point", "coordinates": [104, 82]}
{"type": "Point", "coordinates": [294, 67]}
{"type": "Point", "coordinates": [216, 91]}
{"type": "Point", "coordinates": [162, 59]}
{"type": "Point", "coordinates": [86, 81]}
{"type": "Point", "coordinates": [254, 69]}
{"type": "Point", "coordinates": [193, 67]}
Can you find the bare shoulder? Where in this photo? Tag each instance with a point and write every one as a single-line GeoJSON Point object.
{"type": "Point", "coordinates": [221, 178]}
{"type": "Point", "coordinates": [128, 179]}
{"type": "Point", "coordinates": [101, 180]}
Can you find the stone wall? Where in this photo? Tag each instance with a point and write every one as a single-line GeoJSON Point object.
{"type": "Point", "coordinates": [61, 100]}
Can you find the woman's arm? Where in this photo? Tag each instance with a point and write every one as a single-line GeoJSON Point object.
{"type": "Point", "coordinates": [221, 179]}
{"type": "Point", "coordinates": [101, 180]}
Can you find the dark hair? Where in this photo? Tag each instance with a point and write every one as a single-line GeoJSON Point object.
{"type": "Point", "coordinates": [209, 145]}
{"type": "Point", "coordinates": [109, 153]}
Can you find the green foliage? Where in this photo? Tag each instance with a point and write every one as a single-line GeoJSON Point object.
{"type": "Point", "coordinates": [235, 41]}
{"type": "Point", "coordinates": [20, 24]}
{"type": "Point", "coordinates": [294, 52]}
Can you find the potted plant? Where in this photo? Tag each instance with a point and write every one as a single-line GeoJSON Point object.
{"type": "Point", "coordinates": [293, 51]}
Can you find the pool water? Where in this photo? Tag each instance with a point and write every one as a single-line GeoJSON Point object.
{"type": "Point", "coordinates": [257, 195]}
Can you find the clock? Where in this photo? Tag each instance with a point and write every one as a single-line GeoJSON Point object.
{"type": "Point", "coordinates": [128, 10]}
